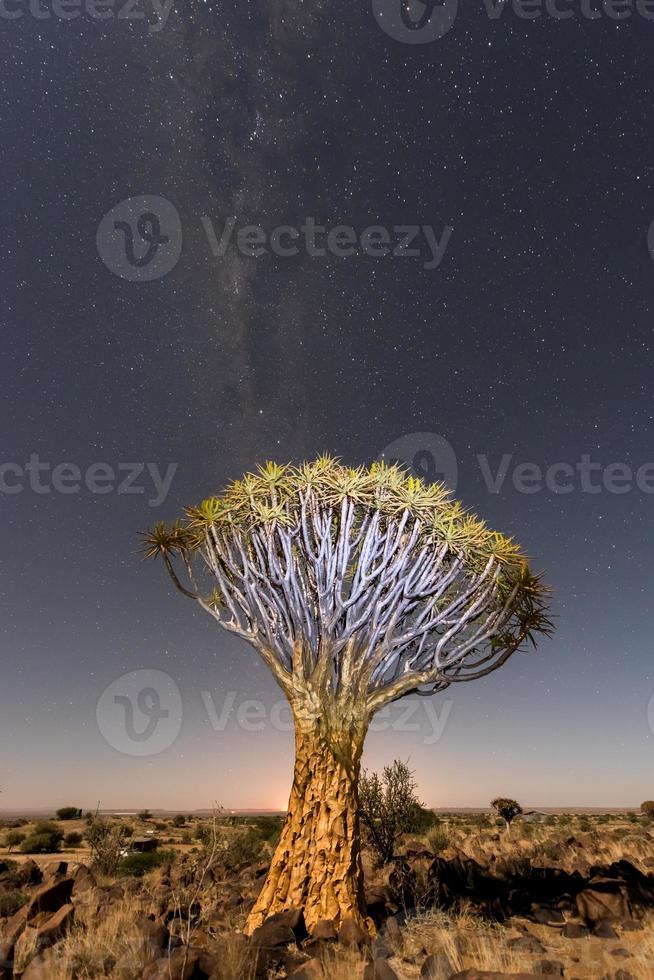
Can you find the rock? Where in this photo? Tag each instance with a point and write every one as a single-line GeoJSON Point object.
{"type": "Point", "coordinates": [42, 967]}
{"type": "Point", "coordinates": [379, 970]}
{"type": "Point", "coordinates": [604, 930]}
{"type": "Point", "coordinates": [546, 916]}
{"type": "Point", "coordinates": [604, 899]}
{"type": "Point", "coordinates": [51, 896]}
{"type": "Point", "coordinates": [526, 944]}
{"type": "Point", "coordinates": [574, 930]}
{"type": "Point", "coordinates": [393, 931]}
{"type": "Point", "coordinates": [631, 925]}
{"type": "Point", "coordinates": [324, 929]}
{"type": "Point", "coordinates": [15, 925]}
{"type": "Point", "coordinates": [272, 935]}
{"type": "Point", "coordinates": [183, 964]}
{"type": "Point", "coordinates": [55, 869]}
{"type": "Point", "coordinates": [294, 919]}
{"type": "Point", "coordinates": [549, 968]}
{"type": "Point", "coordinates": [620, 951]}
{"type": "Point", "coordinates": [311, 970]}
{"type": "Point", "coordinates": [490, 975]}
{"type": "Point", "coordinates": [436, 965]}
{"type": "Point", "coordinates": [55, 926]}
{"type": "Point", "coordinates": [6, 960]}
{"type": "Point", "coordinates": [155, 934]}
{"type": "Point", "coordinates": [351, 933]}
{"type": "Point", "coordinates": [84, 880]}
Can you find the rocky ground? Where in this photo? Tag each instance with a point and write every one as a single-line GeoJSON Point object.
{"type": "Point", "coordinates": [545, 902]}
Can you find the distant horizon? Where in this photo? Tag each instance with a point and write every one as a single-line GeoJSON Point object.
{"type": "Point", "coordinates": [264, 811]}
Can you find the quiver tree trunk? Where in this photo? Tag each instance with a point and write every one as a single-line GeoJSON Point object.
{"type": "Point", "coordinates": [316, 866]}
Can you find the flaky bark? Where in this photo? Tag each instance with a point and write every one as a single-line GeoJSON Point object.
{"type": "Point", "coordinates": [317, 864]}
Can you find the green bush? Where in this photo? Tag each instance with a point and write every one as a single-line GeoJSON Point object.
{"type": "Point", "coordinates": [46, 838]}
{"type": "Point", "coordinates": [10, 902]}
{"type": "Point", "coordinates": [69, 813]}
{"type": "Point", "coordinates": [13, 839]}
{"type": "Point", "coordinates": [73, 839]}
{"type": "Point", "coordinates": [179, 820]}
{"type": "Point", "coordinates": [420, 819]}
{"type": "Point", "coordinates": [138, 865]}
{"type": "Point", "coordinates": [437, 839]}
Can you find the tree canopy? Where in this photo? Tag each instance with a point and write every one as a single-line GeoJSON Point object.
{"type": "Point", "coordinates": [362, 577]}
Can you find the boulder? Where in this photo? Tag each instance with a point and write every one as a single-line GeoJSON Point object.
{"type": "Point", "coordinates": [351, 933]}
{"type": "Point", "coordinates": [605, 899]}
{"type": "Point", "coordinates": [436, 965]}
{"type": "Point", "coordinates": [393, 931]}
{"type": "Point", "coordinates": [55, 926]}
{"type": "Point", "coordinates": [549, 968]}
{"type": "Point", "coordinates": [604, 930]}
{"type": "Point", "coordinates": [183, 964]}
{"type": "Point", "coordinates": [325, 930]}
{"type": "Point", "coordinates": [379, 969]}
{"type": "Point", "coordinates": [491, 975]}
{"type": "Point", "coordinates": [294, 919]}
{"type": "Point", "coordinates": [574, 930]}
{"type": "Point", "coordinates": [311, 970]}
{"type": "Point", "coordinates": [6, 960]}
{"type": "Point", "coordinates": [51, 896]}
{"type": "Point", "coordinates": [526, 944]}
{"type": "Point", "coordinates": [272, 935]}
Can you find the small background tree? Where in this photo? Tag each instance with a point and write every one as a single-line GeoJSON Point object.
{"type": "Point", "coordinates": [647, 808]}
{"type": "Point", "coordinates": [69, 813]}
{"type": "Point", "coordinates": [387, 805]}
{"type": "Point", "coordinates": [508, 810]}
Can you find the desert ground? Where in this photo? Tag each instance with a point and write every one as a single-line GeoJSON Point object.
{"type": "Point", "coordinates": [568, 895]}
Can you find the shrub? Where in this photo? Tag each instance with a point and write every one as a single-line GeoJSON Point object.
{"type": "Point", "coordinates": [647, 808]}
{"type": "Point", "coordinates": [138, 865]}
{"type": "Point", "coordinates": [73, 839]}
{"type": "Point", "coordinates": [179, 820]}
{"type": "Point", "coordinates": [421, 819]}
{"type": "Point", "coordinates": [437, 840]}
{"type": "Point", "coordinates": [13, 839]}
{"type": "Point", "coordinates": [144, 815]}
{"type": "Point", "coordinates": [44, 839]}
{"type": "Point", "coordinates": [387, 804]}
{"type": "Point", "coordinates": [69, 813]}
{"type": "Point", "coordinates": [269, 828]}
{"type": "Point", "coordinates": [585, 825]}
{"type": "Point", "coordinates": [106, 841]}
{"type": "Point", "coordinates": [10, 902]}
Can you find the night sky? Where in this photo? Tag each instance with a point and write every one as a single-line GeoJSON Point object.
{"type": "Point", "coordinates": [530, 342]}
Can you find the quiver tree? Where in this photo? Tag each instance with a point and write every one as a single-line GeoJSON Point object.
{"type": "Point", "coordinates": [357, 587]}
{"type": "Point", "coordinates": [507, 809]}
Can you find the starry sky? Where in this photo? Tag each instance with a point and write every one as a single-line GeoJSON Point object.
{"type": "Point", "coordinates": [530, 343]}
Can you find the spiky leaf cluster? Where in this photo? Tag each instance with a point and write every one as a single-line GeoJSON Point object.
{"type": "Point", "coordinates": [367, 565]}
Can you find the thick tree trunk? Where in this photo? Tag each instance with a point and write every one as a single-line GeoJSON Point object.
{"type": "Point", "coordinates": [317, 864]}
